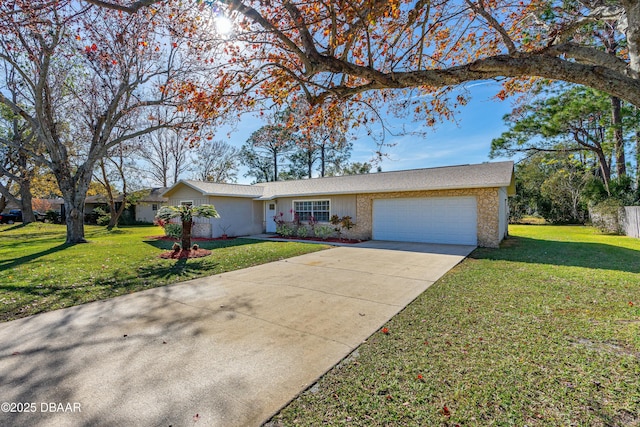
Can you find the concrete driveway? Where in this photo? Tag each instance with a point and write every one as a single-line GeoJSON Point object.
{"type": "Point", "coordinates": [225, 350]}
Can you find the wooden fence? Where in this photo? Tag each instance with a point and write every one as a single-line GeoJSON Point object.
{"type": "Point", "coordinates": [631, 221]}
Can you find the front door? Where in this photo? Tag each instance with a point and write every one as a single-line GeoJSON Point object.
{"type": "Point", "coordinates": [270, 213]}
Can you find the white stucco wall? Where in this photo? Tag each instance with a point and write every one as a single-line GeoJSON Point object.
{"type": "Point", "coordinates": [145, 212]}
{"type": "Point", "coordinates": [239, 216]}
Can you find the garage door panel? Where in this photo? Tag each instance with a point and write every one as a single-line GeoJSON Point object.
{"type": "Point", "coordinates": [450, 220]}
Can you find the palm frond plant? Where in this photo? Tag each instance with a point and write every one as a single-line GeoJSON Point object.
{"type": "Point", "coordinates": [186, 213]}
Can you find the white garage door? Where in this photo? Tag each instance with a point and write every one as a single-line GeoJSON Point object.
{"type": "Point", "coordinates": [451, 220]}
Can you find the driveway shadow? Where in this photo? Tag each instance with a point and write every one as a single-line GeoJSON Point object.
{"type": "Point", "coordinates": [571, 254]}
{"type": "Point", "coordinates": [113, 354]}
{"type": "Point", "coordinates": [183, 267]}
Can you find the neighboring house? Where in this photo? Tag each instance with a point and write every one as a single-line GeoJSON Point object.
{"type": "Point", "coordinates": [149, 202]}
{"type": "Point", "coordinates": [10, 206]}
{"type": "Point", "coordinates": [95, 201]}
{"type": "Point", "coordinates": [56, 205]}
{"type": "Point", "coordinates": [144, 209]}
{"type": "Point", "coordinates": [452, 205]}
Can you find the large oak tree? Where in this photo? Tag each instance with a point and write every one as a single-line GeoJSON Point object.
{"type": "Point", "coordinates": [340, 48]}
{"type": "Point", "coordinates": [366, 50]}
{"type": "Point", "coordinates": [100, 73]}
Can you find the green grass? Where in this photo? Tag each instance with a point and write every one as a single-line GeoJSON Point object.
{"type": "Point", "coordinates": [39, 273]}
{"type": "Point", "coordinates": [542, 332]}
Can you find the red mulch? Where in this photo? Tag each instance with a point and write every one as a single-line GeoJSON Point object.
{"type": "Point", "coordinates": [315, 239]}
{"type": "Point", "coordinates": [181, 254]}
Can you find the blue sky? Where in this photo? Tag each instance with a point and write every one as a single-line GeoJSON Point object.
{"type": "Point", "coordinates": [468, 140]}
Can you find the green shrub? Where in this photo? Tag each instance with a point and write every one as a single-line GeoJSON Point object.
{"type": "Point", "coordinates": [340, 223]}
{"type": "Point", "coordinates": [103, 220]}
{"type": "Point", "coordinates": [173, 230]}
{"type": "Point", "coordinates": [102, 216]}
{"type": "Point", "coordinates": [323, 231]}
{"type": "Point", "coordinates": [302, 231]}
{"type": "Point", "coordinates": [52, 216]}
{"type": "Point", "coordinates": [285, 230]}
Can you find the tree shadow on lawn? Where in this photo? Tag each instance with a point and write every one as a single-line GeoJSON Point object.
{"type": "Point", "coordinates": [186, 269]}
{"type": "Point", "coordinates": [204, 244]}
{"type": "Point", "coordinates": [29, 233]}
{"type": "Point", "coordinates": [571, 254]}
{"type": "Point", "coordinates": [15, 226]}
{"type": "Point", "coordinates": [181, 269]}
{"type": "Point", "coordinates": [6, 264]}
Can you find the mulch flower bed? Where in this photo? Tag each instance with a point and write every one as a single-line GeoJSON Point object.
{"type": "Point", "coordinates": [182, 254]}
{"type": "Point", "coordinates": [315, 239]}
{"type": "Point", "coordinates": [188, 254]}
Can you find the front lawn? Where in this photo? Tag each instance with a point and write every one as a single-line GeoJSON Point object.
{"type": "Point", "coordinates": [542, 332]}
{"type": "Point", "coordinates": [38, 272]}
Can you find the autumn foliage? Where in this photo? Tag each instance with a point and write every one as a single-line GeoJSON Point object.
{"type": "Point", "coordinates": [344, 63]}
{"type": "Point", "coordinates": [407, 55]}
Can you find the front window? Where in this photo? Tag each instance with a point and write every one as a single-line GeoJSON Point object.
{"type": "Point", "coordinates": [154, 207]}
{"type": "Point", "coordinates": [318, 209]}
{"type": "Point", "coordinates": [186, 203]}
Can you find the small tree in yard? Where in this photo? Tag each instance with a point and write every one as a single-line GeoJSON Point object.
{"type": "Point", "coordinates": [186, 213]}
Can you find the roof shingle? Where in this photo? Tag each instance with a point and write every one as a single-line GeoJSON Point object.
{"type": "Point", "coordinates": [498, 174]}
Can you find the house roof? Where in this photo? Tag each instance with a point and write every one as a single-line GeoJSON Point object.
{"type": "Point", "coordinates": [96, 199]}
{"type": "Point", "coordinates": [149, 195]}
{"type": "Point", "coordinates": [152, 195]}
{"type": "Point", "coordinates": [156, 195]}
{"type": "Point", "coordinates": [219, 189]}
{"type": "Point", "coordinates": [498, 174]}
{"type": "Point", "coordinates": [58, 201]}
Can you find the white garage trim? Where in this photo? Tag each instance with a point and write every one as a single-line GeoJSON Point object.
{"type": "Point", "coordinates": [448, 220]}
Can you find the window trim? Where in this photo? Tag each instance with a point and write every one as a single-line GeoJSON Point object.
{"type": "Point", "coordinates": [293, 207]}
{"type": "Point", "coordinates": [186, 202]}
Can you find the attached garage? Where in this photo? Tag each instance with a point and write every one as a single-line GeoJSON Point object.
{"type": "Point", "coordinates": [448, 220]}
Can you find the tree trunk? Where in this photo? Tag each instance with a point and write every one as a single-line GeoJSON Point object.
{"type": "Point", "coordinates": [275, 165]}
{"type": "Point", "coordinates": [605, 169]}
{"type": "Point", "coordinates": [25, 188]}
{"type": "Point", "coordinates": [186, 234]}
{"type": "Point", "coordinates": [322, 160]}
{"type": "Point", "coordinates": [112, 203]}
{"type": "Point", "coordinates": [632, 11]}
{"type": "Point", "coordinates": [74, 192]}
{"type": "Point", "coordinates": [3, 202]}
{"type": "Point", "coordinates": [176, 171]}
{"type": "Point", "coordinates": [116, 213]}
{"type": "Point", "coordinates": [310, 164]}
{"type": "Point", "coordinates": [637, 151]}
{"type": "Point", "coordinates": [26, 202]}
{"type": "Point", "coordinates": [616, 115]}
{"type": "Point", "coordinates": [74, 207]}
